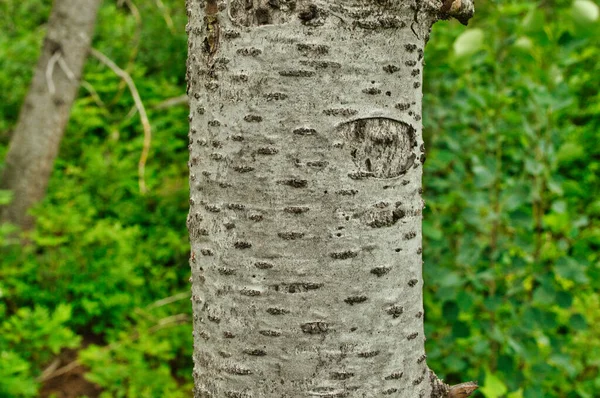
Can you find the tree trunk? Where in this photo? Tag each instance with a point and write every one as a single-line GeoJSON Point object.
{"type": "Point", "coordinates": [46, 109]}
{"type": "Point", "coordinates": [305, 212]}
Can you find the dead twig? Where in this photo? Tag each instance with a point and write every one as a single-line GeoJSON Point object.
{"type": "Point", "coordinates": [140, 108]}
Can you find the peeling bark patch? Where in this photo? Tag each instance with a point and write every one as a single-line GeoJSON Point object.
{"type": "Point", "coordinates": [376, 218]}
{"type": "Point", "coordinates": [314, 327]}
{"type": "Point", "coordinates": [379, 146]}
{"type": "Point", "coordinates": [380, 271]}
{"type": "Point", "coordinates": [355, 300]}
{"type": "Point", "coordinates": [344, 255]}
{"type": "Point", "coordinates": [301, 287]}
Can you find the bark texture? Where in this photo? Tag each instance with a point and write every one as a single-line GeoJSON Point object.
{"type": "Point", "coordinates": [305, 215]}
{"type": "Point", "coordinates": [45, 112]}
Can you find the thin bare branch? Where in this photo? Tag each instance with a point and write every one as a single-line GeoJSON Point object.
{"type": "Point", "coordinates": [169, 300]}
{"type": "Point", "coordinates": [180, 100]}
{"type": "Point", "coordinates": [166, 15]}
{"type": "Point", "coordinates": [140, 108]}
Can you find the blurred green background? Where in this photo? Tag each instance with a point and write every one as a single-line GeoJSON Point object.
{"type": "Point", "coordinates": [511, 230]}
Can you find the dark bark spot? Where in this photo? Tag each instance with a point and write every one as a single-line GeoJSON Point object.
{"type": "Point", "coordinates": [296, 73]}
{"type": "Point", "coordinates": [368, 354]}
{"type": "Point", "coordinates": [412, 282]}
{"type": "Point", "coordinates": [355, 300]}
{"type": "Point", "coordinates": [344, 255]}
{"type": "Point", "coordinates": [340, 112]}
{"type": "Point", "coordinates": [380, 271]}
{"type": "Point", "coordinates": [315, 327]}
{"type": "Point", "coordinates": [250, 292]}
{"type": "Point", "coordinates": [257, 352]}
{"type": "Point", "coordinates": [316, 49]}
{"type": "Point", "coordinates": [296, 209]}
{"type": "Point", "coordinates": [226, 271]}
{"type": "Point", "coordinates": [253, 118]}
{"type": "Point", "coordinates": [263, 265]}
{"type": "Point", "coordinates": [391, 68]}
{"type": "Point", "coordinates": [295, 183]}
{"type": "Point", "coordinates": [243, 168]}
{"type": "Point", "coordinates": [240, 244]}
{"type": "Point", "coordinates": [372, 91]}
{"type": "Point", "coordinates": [290, 235]}
{"type": "Point", "coordinates": [275, 96]}
{"type": "Point", "coordinates": [304, 131]}
{"type": "Point", "coordinates": [394, 376]}
{"type": "Point", "coordinates": [270, 333]}
{"type": "Point", "coordinates": [412, 336]}
{"type": "Point", "coordinates": [277, 311]}
{"type": "Point", "coordinates": [341, 375]}
{"type": "Point", "coordinates": [395, 311]}
{"type": "Point", "coordinates": [238, 370]}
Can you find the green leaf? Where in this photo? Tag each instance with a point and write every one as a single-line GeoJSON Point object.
{"type": "Point", "coordinates": [469, 42]}
{"type": "Point", "coordinates": [584, 12]}
{"type": "Point", "coordinates": [493, 386]}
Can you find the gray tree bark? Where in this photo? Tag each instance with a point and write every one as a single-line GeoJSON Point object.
{"type": "Point", "coordinates": [45, 112]}
{"type": "Point", "coordinates": [305, 208]}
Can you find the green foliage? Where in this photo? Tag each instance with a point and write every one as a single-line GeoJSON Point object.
{"type": "Point", "coordinates": [512, 224]}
